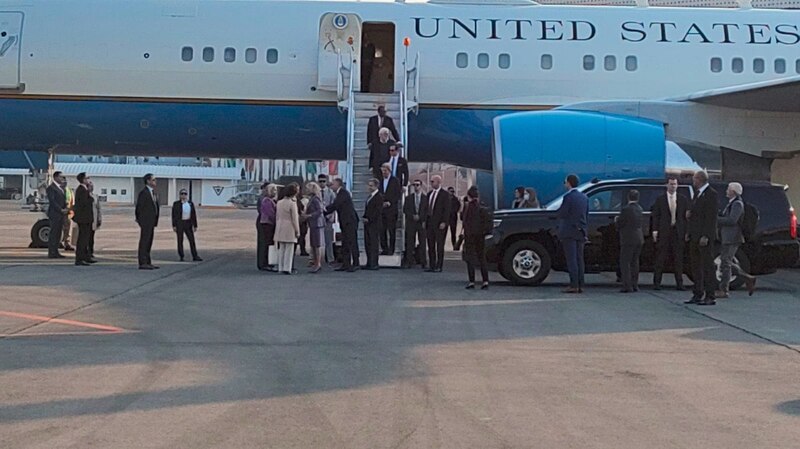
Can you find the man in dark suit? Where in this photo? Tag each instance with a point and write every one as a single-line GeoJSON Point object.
{"type": "Point", "coordinates": [398, 164]}
{"type": "Point", "coordinates": [184, 222]}
{"type": "Point", "coordinates": [56, 210]}
{"type": "Point", "coordinates": [348, 220]}
{"type": "Point", "coordinates": [436, 224]}
{"type": "Point", "coordinates": [376, 122]}
{"type": "Point", "coordinates": [415, 211]}
{"type": "Point", "coordinates": [455, 207]}
{"type": "Point", "coordinates": [373, 212]}
{"type": "Point", "coordinates": [391, 191]}
{"type": "Point", "coordinates": [573, 231]}
{"type": "Point", "coordinates": [367, 62]}
{"type": "Point", "coordinates": [147, 212]}
{"type": "Point", "coordinates": [379, 151]}
{"type": "Point", "coordinates": [668, 225]}
{"type": "Point", "coordinates": [702, 229]}
{"type": "Point", "coordinates": [83, 217]}
{"type": "Point", "coordinates": [631, 240]}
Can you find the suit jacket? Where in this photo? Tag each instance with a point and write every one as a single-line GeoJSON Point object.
{"type": "Point", "coordinates": [629, 225]}
{"type": "Point", "coordinates": [440, 212]}
{"type": "Point", "coordinates": [661, 219]}
{"type": "Point", "coordinates": [373, 210]}
{"type": "Point", "coordinates": [401, 171]}
{"type": "Point", "coordinates": [83, 211]}
{"type": "Point", "coordinates": [372, 128]}
{"type": "Point", "coordinates": [574, 215]}
{"type": "Point", "coordinates": [730, 231]}
{"type": "Point", "coordinates": [343, 205]}
{"type": "Point", "coordinates": [57, 201]}
{"type": "Point", "coordinates": [455, 206]}
{"type": "Point", "coordinates": [410, 208]}
{"type": "Point", "coordinates": [703, 221]}
{"type": "Point", "coordinates": [287, 221]}
{"type": "Point", "coordinates": [147, 210]}
{"type": "Point", "coordinates": [177, 214]}
{"type": "Point", "coordinates": [314, 210]}
{"type": "Point", "coordinates": [393, 192]}
{"type": "Point", "coordinates": [379, 153]}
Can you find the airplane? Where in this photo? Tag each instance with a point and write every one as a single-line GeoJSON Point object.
{"type": "Point", "coordinates": [269, 79]}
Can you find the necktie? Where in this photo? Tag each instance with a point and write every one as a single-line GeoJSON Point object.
{"type": "Point", "coordinates": [416, 203]}
{"type": "Point", "coordinates": [394, 166]}
{"type": "Point", "coordinates": [432, 202]}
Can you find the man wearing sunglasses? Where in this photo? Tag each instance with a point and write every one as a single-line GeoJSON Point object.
{"type": "Point", "coordinates": [184, 221]}
{"type": "Point", "coordinates": [415, 211]}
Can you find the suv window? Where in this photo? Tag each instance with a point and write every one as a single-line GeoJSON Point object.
{"type": "Point", "coordinates": [608, 200]}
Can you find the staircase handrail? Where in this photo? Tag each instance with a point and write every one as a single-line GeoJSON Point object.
{"type": "Point", "coordinates": [351, 132]}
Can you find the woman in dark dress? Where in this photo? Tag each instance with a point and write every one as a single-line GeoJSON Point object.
{"type": "Point", "coordinates": [477, 222]}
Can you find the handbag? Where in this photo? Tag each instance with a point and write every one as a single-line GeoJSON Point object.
{"type": "Point", "coordinates": [272, 255]}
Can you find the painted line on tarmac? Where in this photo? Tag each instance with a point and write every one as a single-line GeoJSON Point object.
{"type": "Point", "coordinates": [41, 319]}
{"type": "Point", "coordinates": [62, 334]}
{"type": "Point", "coordinates": [442, 303]}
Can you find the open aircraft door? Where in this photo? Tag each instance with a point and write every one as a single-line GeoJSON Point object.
{"type": "Point", "coordinates": [338, 34]}
{"type": "Point", "coordinates": [10, 38]}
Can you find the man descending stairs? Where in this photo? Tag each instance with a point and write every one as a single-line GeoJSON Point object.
{"type": "Point", "coordinates": [365, 107]}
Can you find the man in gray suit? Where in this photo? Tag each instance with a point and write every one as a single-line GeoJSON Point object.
{"type": "Point", "coordinates": [631, 239]}
{"type": "Point", "coordinates": [731, 237]}
{"type": "Point", "coordinates": [56, 211]}
{"type": "Point", "coordinates": [328, 197]}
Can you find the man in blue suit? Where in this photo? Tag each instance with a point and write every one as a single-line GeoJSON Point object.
{"type": "Point", "coordinates": [573, 231]}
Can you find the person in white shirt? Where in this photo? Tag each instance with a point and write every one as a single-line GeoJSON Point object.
{"type": "Point", "coordinates": [184, 222]}
{"type": "Point", "coordinates": [668, 228]}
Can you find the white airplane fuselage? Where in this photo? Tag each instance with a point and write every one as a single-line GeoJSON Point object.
{"type": "Point", "coordinates": [111, 77]}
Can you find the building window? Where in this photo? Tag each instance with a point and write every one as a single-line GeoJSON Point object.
{"type": "Point", "coordinates": [103, 191]}
{"type": "Point", "coordinates": [483, 60]}
{"type": "Point", "coordinates": [737, 65]}
{"type": "Point", "coordinates": [123, 192]}
{"type": "Point", "coordinates": [272, 56]}
{"type": "Point", "coordinates": [610, 62]}
{"type": "Point", "coordinates": [251, 55]}
{"type": "Point", "coordinates": [547, 62]}
{"type": "Point", "coordinates": [230, 54]}
{"type": "Point", "coordinates": [208, 54]}
{"type": "Point", "coordinates": [504, 61]}
{"type": "Point", "coordinates": [758, 65]}
{"type": "Point", "coordinates": [631, 63]}
{"type": "Point", "coordinates": [113, 191]}
{"type": "Point", "coordinates": [716, 65]}
{"type": "Point", "coordinates": [588, 62]}
{"type": "Point", "coordinates": [462, 60]}
{"type": "Point", "coordinates": [187, 54]}
{"type": "Point", "coordinates": [780, 66]}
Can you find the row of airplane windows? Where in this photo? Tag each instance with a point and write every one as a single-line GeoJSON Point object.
{"type": "Point", "coordinates": [546, 62]}
{"type": "Point", "coordinates": [759, 65]}
{"type": "Point", "coordinates": [229, 55]}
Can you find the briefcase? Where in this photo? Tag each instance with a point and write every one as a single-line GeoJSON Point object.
{"type": "Point", "coordinates": [272, 255]}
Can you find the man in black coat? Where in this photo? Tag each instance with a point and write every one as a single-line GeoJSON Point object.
{"type": "Point", "coordinates": [455, 207]}
{"type": "Point", "coordinates": [391, 191]}
{"type": "Point", "coordinates": [373, 211]}
{"type": "Point", "coordinates": [436, 223]}
{"type": "Point", "coordinates": [415, 210]}
{"type": "Point", "coordinates": [376, 122]}
{"type": "Point", "coordinates": [668, 227]}
{"type": "Point", "coordinates": [147, 212]}
{"type": "Point", "coordinates": [184, 222]}
{"type": "Point", "coordinates": [398, 164]}
{"type": "Point", "coordinates": [702, 230]}
{"type": "Point", "coordinates": [83, 217]}
{"type": "Point", "coordinates": [631, 239]}
{"type": "Point", "coordinates": [348, 220]}
{"type": "Point", "coordinates": [56, 210]}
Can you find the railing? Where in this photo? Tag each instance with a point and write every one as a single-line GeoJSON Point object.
{"type": "Point", "coordinates": [408, 104]}
{"type": "Point", "coordinates": [351, 132]}
{"type": "Point", "coordinates": [345, 72]}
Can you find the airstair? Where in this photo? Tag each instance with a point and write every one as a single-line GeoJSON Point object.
{"type": "Point", "coordinates": [359, 108]}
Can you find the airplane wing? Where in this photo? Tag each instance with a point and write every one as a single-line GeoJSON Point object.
{"type": "Point", "coordinates": [781, 95]}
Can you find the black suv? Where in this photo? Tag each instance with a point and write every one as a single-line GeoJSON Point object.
{"type": "Point", "coordinates": [524, 246]}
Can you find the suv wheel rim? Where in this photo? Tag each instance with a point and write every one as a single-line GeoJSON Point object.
{"type": "Point", "coordinates": [718, 266]}
{"type": "Point", "coordinates": [527, 264]}
{"type": "Point", "coordinates": [44, 234]}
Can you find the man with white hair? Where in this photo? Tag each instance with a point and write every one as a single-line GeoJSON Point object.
{"type": "Point", "coordinates": [702, 231]}
{"type": "Point", "coordinates": [731, 237]}
{"type": "Point", "coordinates": [379, 151]}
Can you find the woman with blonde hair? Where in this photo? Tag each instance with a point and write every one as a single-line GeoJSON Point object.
{"type": "Point", "coordinates": [315, 218]}
{"type": "Point", "coordinates": [287, 228]}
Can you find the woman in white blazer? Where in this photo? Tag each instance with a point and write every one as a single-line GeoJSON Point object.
{"type": "Point", "coordinates": [287, 228]}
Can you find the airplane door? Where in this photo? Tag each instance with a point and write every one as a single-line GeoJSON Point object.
{"type": "Point", "coordinates": [338, 33]}
{"type": "Point", "coordinates": [10, 37]}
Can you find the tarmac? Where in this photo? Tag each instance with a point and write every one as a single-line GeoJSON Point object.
{"type": "Point", "coordinates": [219, 355]}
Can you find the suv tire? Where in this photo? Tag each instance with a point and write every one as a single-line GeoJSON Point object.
{"type": "Point", "coordinates": [40, 233]}
{"type": "Point", "coordinates": [744, 262]}
{"type": "Point", "coordinates": [526, 263]}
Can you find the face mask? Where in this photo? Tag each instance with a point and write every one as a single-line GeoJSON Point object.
{"type": "Point", "coordinates": [526, 197]}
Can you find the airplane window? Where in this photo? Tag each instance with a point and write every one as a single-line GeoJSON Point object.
{"type": "Point", "coordinates": [208, 54]}
{"type": "Point", "coordinates": [631, 63]}
{"type": "Point", "coordinates": [588, 62]}
{"type": "Point", "coordinates": [272, 55]}
{"type": "Point", "coordinates": [250, 55]}
{"type": "Point", "coordinates": [483, 60]}
{"type": "Point", "coordinates": [230, 54]}
{"type": "Point", "coordinates": [758, 65]}
{"type": "Point", "coordinates": [187, 54]}
{"type": "Point", "coordinates": [797, 66]}
{"type": "Point", "coordinates": [123, 192]}
{"type": "Point", "coordinates": [504, 60]}
{"type": "Point", "coordinates": [716, 65]}
{"type": "Point", "coordinates": [737, 65]}
{"type": "Point", "coordinates": [462, 60]}
{"type": "Point", "coordinates": [103, 191]}
{"type": "Point", "coordinates": [780, 66]}
{"type": "Point", "coordinates": [610, 62]}
{"type": "Point", "coordinates": [547, 62]}
{"type": "Point", "coordinates": [113, 191]}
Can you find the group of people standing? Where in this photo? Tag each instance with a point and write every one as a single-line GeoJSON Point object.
{"type": "Point", "coordinates": [66, 207]}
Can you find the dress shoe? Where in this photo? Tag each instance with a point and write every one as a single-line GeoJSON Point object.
{"type": "Point", "coordinates": [57, 256]}
{"type": "Point", "coordinates": [197, 259]}
{"type": "Point", "coordinates": [146, 267]}
{"type": "Point", "coordinates": [430, 270]}
{"type": "Point", "coordinates": [485, 286]}
{"type": "Point", "coordinates": [352, 269]}
{"type": "Point", "coordinates": [304, 253]}
{"type": "Point", "coordinates": [470, 286]}
{"type": "Point", "coordinates": [82, 263]}
{"type": "Point", "coordinates": [625, 290]}
{"type": "Point", "coordinates": [342, 268]}
{"type": "Point", "coordinates": [657, 287]}
{"type": "Point", "coordinates": [751, 286]}
{"type": "Point", "coordinates": [372, 268]}
{"type": "Point", "coordinates": [91, 260]}
{"type": "Point", "coordinates": [315, 270]}
{"type": "Point", "coordinates": [707, 302]}
{"type": "Point", "coordinates": [694, 300]}
{"type": "Point", "coordinates": [570, 290]}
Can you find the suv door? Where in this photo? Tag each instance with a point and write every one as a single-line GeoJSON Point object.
{"type": "Point", "coordinates": [602, 251]}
